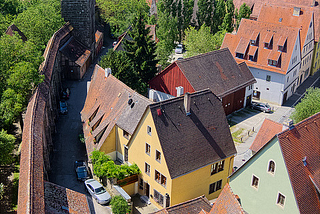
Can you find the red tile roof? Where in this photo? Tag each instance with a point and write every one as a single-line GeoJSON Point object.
{"type": "Point", "coordinates": [305, 5]}
{"type": "Point", "coordinates": [273, 14]}
{"type": "Point", "coordinates": [227, 203]}
{"type": "Point", "coordinates": [59, 199]}
{"type": "Point", "coordinates": [108, 98]}
{"type": "Point", "coordinates": [267, 131]}
{"type": "Point", "coordinates": [266, 32]}
{"type": "Point", "coordinates": [193, 206]}
{"type": "Point", "coordinates": [296, 144]}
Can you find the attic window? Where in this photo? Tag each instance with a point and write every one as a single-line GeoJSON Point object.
{"type": "Point", "coordinates": [149, 130]}
{"type": "Point", "coordinates": [272, 62]}
{"type": "Point", "coordinates": [94, 114]}
{"type": "Point", "coordinates": [217, 167]}
{"type": "Point", "coordinates": [97, 123]}
{"type": "Point", "coordinates": [240, 55]}
{"type": "Point", "coordinates": [126, 134]}
{"type": "Point", "coordinates": [99, 135]}
{"type": "Point", "coordinates": [252, 42]}
{"type": "Point", "coordinates": [271, 167]}
{"type": "Point", "coordinates": [280, 19]}
{"type": "Point", "coordinates": [255, 182]}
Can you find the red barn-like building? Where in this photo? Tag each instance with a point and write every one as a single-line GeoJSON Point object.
{"type": "Point", "coordinates": [216, 70]}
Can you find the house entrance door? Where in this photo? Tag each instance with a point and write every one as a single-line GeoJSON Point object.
{"type": "Point", "coordinates": [248, 102]}
{"type": "Point", "coordinates": [284, 98]}
{"type": "Point", "coordinates": [147, 189]}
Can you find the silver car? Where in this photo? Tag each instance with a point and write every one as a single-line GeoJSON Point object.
{"type": "Point", "coordinates": [97, 191]}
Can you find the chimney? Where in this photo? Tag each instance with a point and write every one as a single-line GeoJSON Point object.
{"type": "Point", "coordinates": [107, 72]}
{"type": "Point", "coordinates": [288, 123]}
{"type": "Point", "coordinates": [153, 95]}
{"type": "Point", "coordinates": [187, 101]}
{"type": "Point", "coordinates": [296, 11]}
{"type": "Point", "coordinates": [179, 91]}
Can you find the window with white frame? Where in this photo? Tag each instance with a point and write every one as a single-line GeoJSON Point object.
{"type": "Point", "coordinates": [147, 169]}
{"type": "Point", "coordinates": [159, 178]}
{"type": "Point", "coordinates": [271, 167]}
{"type": "Point", "coordinates": [281, 199]}
{"type": "Point", "coordinates": [148, 149]}
{"type": "Point", "coordinates": [255, 182]}
{"type": "Point", "coordinates": [149, 130]}
{"type": "Point", "coordinates": [158, 197]}
{"type": "Point", "coordinates": [158, 156]}
{"type": "Point", "coordinates": [268, 78]}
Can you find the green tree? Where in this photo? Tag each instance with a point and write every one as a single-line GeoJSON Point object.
{"type": "Point", "coordinates": [309, 105]}
{"type": "Point", "coordinates": [244, 12]}
{"type": "Point", "coordinates": [205, 12]}
{"type": "Point", "coordinates": [6, 147]}
{"type": "Point", "coordinates": [218, 15]}
{"type": "Point", "coordinates": [119, 205]}
{"type": "Point", "coordinates": [187, 13]}
{"type": "Point", "coordinates": [120, 14]}
{"type": "Point", "coordinates": [39, 21]}
{"type": "Point", "coordinates": [227, 23]}
{"type": "Point", "coordinates": [121, 67]}
{"type": "Point", "coordinates": [167, 32]}
{"type": "Point", "coordinates": [141, 51]}
{"type": "Point", "coordinates": [180, 20]}
{"type": "Point", "coordinates": [201, 41]}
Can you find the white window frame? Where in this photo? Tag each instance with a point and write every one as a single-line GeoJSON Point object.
{"type": "Point", "coordinates": [278, 204]}
{"type": "Point", "coordinates": [274, 167]}
{"type": "Point", "coordinates": [146, 149]}
{"type": "Point", "coordinates": [251, 180]}
{"type": "Point", "coordinates": [155, 157]}
{"type": "Point", "coordinates": [149, 132]}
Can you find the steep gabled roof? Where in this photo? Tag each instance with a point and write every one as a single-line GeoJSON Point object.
{"type": "Point", "coordinates": [193, 206]}
{"type": "Point", "coordinates": [12, 29]}
{"type": "Point", "coordinates": [227, 203]}
{"type": "Point", "coordinates": [75, 51]}
{"type": "Point", "coordinates": [191, 142]}
{"type": "Point", "coordinates": [284, 16]}
{"type": "Point", "coordinates": [303, 142]}
{"type": "Point", "coordinates": [216, 70]}
{"type": "Point", "coordinates": [267, 32]}
{"type": "Point", "coordinates": [59, 199]}
{"type": "Point", "coordinates": [305, 5]}
{"type": "Point", "coordinates": [267, 131]}
{"type": "Point", "coordinates": [107, 105]}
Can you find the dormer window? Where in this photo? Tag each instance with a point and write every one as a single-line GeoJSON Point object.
{"type": "Point", "coordinates": [268, 41]}
{"type": "Point", "coordinates": [274, 59]}
{"type": "Point", "coordinates": [272, 62]}
{"type": "Point", "coordinates": [253, 53]}
{"type": "Point", "coordinates": [282, 44]}
{"type": "Point", "coordinates": [254, 38]}
{"type": "Point", "coordinates": [239, 55]}
{"type": "Point", "coordinates": [252, 42]}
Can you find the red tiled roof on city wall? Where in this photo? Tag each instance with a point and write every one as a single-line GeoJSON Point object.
{"type": "Point", "coordinates": [226, 203]}
{"type": "Point", "coordinates": [31, 182]}
{"type": "Point", "coordinates": [297, 144]}
{"type": "Point", "coordinates": [193, 206]}
{"type": "Point", "coordinates": [12, 29]}
{"type": "Point", "coordinates": [267, 131]}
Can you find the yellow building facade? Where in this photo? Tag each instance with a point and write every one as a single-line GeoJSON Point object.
{"type": "Point", "coordinates": [316, 57]}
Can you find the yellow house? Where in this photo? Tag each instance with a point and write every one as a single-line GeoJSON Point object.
{"type": "Point", "coordinates": [182, 145]}
{"type": "Point", "coordinates": [111, 113]}
{"type": "Point", "coordinates": [184, 149]}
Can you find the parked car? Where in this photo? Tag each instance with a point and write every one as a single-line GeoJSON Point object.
{"type": "Point", "coordinates": [264, 107]}
{"type": "Point", "coordinates": [63, 107]}
{"type": "Point", "coordinates": [179, 49]}
{"type": "Point", "coordinates": [82, 170]}
{"type": "Point", "coordinates": [97, 191]}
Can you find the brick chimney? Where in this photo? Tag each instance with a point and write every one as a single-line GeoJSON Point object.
{"type": "Point", "coordinates": [187, 101]}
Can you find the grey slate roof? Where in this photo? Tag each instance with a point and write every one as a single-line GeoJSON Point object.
{"type": "Point", "coordinates": [216, 70]}
{"type": "Point", "coordinates": [194, 141]}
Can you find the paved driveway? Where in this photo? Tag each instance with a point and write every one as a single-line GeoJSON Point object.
{"type": "Point", "coordinates": [250, 121]}
{"type": "Point", "coordinates": [67, 147]}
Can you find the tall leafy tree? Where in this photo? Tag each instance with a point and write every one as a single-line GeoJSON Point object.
{"type": "Point", "coordinates": [180, 20]}
{"type": "Point", "coordinates": [6, 147]}
{"type": "Point", "coordinates": [227, 23]}
{"type": "Point", "coordinates": [187, 13]}
{"type": "Point", "coordinates": [141, 51]}
{"type": "Point", "coordinates": [39, 21]}
{"type": "Point", "coordinates": [119, 14]}
{"type": "Point", "coordinates": [218, 15]}
{"type": "Point", "coordinates": [121, 67]}
{"type": "Point", "coordinates": [167, 32]}
{"type": "Point", "coordinates": [309, 105]}
{"type": "Point", "coordinates": [202, 41]}
{"type": "Point", "coordinates": [204, 13]}
{"type": "Point", "coordinates": [244, 12]}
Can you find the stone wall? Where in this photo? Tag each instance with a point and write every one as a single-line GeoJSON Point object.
{"type": "Point", "coordinates": [81, 15]}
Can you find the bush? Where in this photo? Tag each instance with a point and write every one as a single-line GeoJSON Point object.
{"type": "Point", "coordinates": [119, 205]}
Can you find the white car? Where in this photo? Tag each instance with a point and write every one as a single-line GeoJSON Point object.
{"type": "Point", "coordinates": [97, 191]}
{"type": "Point", "coordinates": [179, 49]}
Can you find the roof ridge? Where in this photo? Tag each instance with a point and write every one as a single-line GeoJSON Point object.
{"type": "Point", "coordinates": [201, 55]}
{"type": "Point", "coordinates": [175, 99]}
